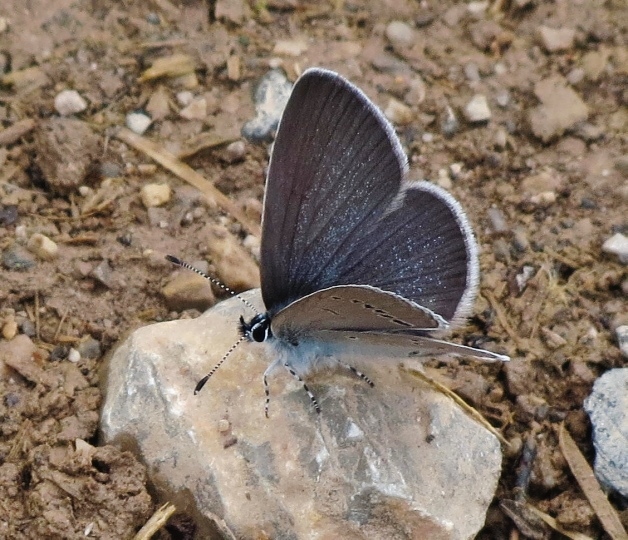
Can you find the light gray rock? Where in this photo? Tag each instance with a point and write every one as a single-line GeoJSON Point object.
{"type": "Point", "coordinates": [271, 96]}
{"type": "Point", "coordinates": [607, 407]}
{"type": "Point", "coordinates": [622, 339]}
{"type": "Point", "coordinates": [400, 34]}
{"type": "Point", "coordinates": [477, 110]}
{"type": "Point", "coordinates": [561, 108]}
{"type": "Point", "coordinates": [557, 39]}
{"type": "Point", "coordinates": [617, 245]}
{"type": "Point", "coordinates": [379, 462]}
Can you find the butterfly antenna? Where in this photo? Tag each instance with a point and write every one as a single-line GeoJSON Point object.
{"type": "Point", "coordinates": [183, 264]}
{"type": "Point", "coordinates": [202, 382]}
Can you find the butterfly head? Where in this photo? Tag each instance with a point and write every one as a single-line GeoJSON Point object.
{"type": "Point", "coordinates": [257, 329]}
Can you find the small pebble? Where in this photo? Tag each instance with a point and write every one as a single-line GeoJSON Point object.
{"type": "Point", "coordinates": [43, 247]}
{"type": "Point", "coordinates": [477, 110]}
{"type": "Point", "coordinates": [498, 220]}
{"type": "Point", "coordinates": [449, 124]}
{"type": "Point", "coordinates": [104, 274]}
{"type": "Point", "coordinates": [520, 240]}
{"type": "Point", "coordinates": [188, 290]}
{"type": "Point", "coordinates": [290, 47]}
{"type": "Point", "coordinates": [9, 329]}
{"type": "Point", "coordinates": [235, 152]}
{"type": "Point", "coordinates": [16, 257]}
{"type": "Point", "coordinates": [544, 199]}
{"type": "Point", "coordinates": [524, 276]}
{"type": "Point", "coordinates": [400, 34]}
{"type": "Point", "coordinates": [501, 139]}
{"type": "Point", "coordinates": [617, 245]}
{"type": "Point", "coordinates": [557, 39]}
{"type": "Point", "coordinates": [552, 339]}
{"type": "Point", "coordinates": [455, 170]}
{"type": "Point", "coordinates": [271, 96]}
{"type": "Point", "coordinates": [90, 348]}
{"type": "Point", "coordinates": [155, 195]}
{"type": "Point", "coordinates": [8, 214]}
{"type": "Point", "coordinates": [234, 68]}
{"type": "Point", "coordinates": [184, 98]}
{"type": "Point", "coordinates": [28, 328]}
{"type": "Point", "coordinates": [138, 122]}
{"type": "Point", "coordinates": [503, 98]}
{"type": "Point", "coordinates": [471, 72]}
{"type": "Point", "coordinates": [74, 356]}
{"type": "Point", "coordinates": [621, 164]}
{"type": "Point", "coordinates": [398, 113]}
{"type": "Point", "coordinates": [196, 110]}
{"type": "Point", "coordinates": [443, 179]}
{"type": "Point", "coordinates": [223, 426]}
{"type": "Point", "coordinates": [69, 102]}
{"type": "Point", "coordinates": [588, 132]}
{"type": "Point", "coordinates": [621, 332]}
{"type": "Point", "coordinates": [575, 76]}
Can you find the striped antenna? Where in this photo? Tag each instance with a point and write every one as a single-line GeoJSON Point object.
{"type": "Point", "coordinates": [187, 266]}
{"type": "Point", "coordinates": [202, 382]}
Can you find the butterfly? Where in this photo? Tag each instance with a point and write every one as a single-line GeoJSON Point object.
{"type": "Point", "coordinates": [354, 258]}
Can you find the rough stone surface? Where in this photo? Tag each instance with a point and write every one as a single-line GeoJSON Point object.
{"type": "Point", "coordinates": [607, 407]}
{"type": "Point", "coordinates": [377, 462]}
{"type": "Point", "coordinates": [561, 108]}
{"type": "Point", "coordinates": [270, 98]}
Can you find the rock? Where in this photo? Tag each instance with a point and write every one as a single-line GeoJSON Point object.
{"type": "Point", "coordinates": [621, 164]}
{"type": "Point", "coordinates": [271, 96]}
{"type": "Point", "coordinates": [498, 221]}
{"type": "Point", "coordinates": [43, 247]}
{"type": "Point", "coordinates": [8, 215]}
{"type": "Point", "coordinates": [290, 47]}
{"type": "Point", "coordinates": [196, 110]}
{"type": "Point", "coordinates": [398, 113]}
{"type": "Point", "coordinates": [400, 34]}
{"type": "Point", "coordinates": [69, 102]}
{"type": "Point", "coordinates": [449, 124]}
{"type": "Point", "coordinates": [74, 356]}
{"type": "Point", "coordinates": [56, 140]}
{"type": "Point", "coordinates": [15, 257]}
{"type": "Point", "coordinates": [235, 152]}
{"type": "Point", "coordinates": [594, 63]}
{"type": "Point", "coordinates": [607, 407]}
{"type": "Point", "coordinates": [9, 329]}
{"type": "Point", "coordinates": [89, 348]}
{"type": "Point", "coordinates": [155, 195]}
{"type": "Point", "coordinates": [561, 108]}
{"type": "Point", "coordinates": [376, 463]}
{"type": "Point", "coordinates": [20, 350]}
{"type": "Point", "coordinates": [138, 122]}
{"type": "Point", "coordinates": [547, 180]}
{"type": "Point", "coordinates": [617, 245]}
{"type": "Point", "coordinates": [477, 110]}
{"type": "Point", "coordinates": [234, 265]}
{"type": "Point", "coordinates": [188, 290]}
{"type": "Point", "coordinates": [158, 106]}
{"type": "Point", "coordinates": [233, 11]}
{"type": "Point", "coordinates": [471, 72]}
{"type": "Point", "coordinates": [104, 274]}
{"type": "Point", "coordinates": [184, 98]}
{"type": "Point", "coordinates": [622, 339]}
{"type": "Point", "coordinates": [557, 39]}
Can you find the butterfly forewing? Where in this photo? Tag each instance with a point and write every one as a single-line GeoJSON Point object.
{"type": "Point", "coordinates": [336, 166]}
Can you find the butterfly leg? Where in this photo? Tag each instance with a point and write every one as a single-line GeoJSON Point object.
{"type": "Point", "coordinates": [358, 374]}
{"type": "Point", "coordinates": [305, 387]}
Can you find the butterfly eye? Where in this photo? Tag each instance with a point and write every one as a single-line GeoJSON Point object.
{"type": "Point", "coordinates": [260, 331]}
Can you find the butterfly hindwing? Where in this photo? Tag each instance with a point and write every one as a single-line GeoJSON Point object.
{"type": "Point", "coordinates": [355, 307]}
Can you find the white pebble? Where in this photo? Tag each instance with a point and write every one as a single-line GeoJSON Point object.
{"type": "Point", "coordinates": [74, 356]}
{"type": "Point", "coordinates": [184, 98]}
{"type": "Point", "coordinates": [43, 247]}
{"type": "Point", "coordinates": [400, 34]}
{"type": "Point", "coordinates": [622, 339]}
{"type": "Point", "coordinates": [477, 109]}
{"type": "Point", "coordinates": [69, 102]}
{"type": "Point", "coordinates": [138, 122]}
{"type": "Point", "coordinates": [20, 232]}
{"type": "Point", "coordinates": [155, 194]}
{"type": "Point", "coordinates": [398, 113]}
{"type": "Point", "coordinates": [617, 245]}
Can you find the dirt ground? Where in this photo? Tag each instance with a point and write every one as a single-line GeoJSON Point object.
{"type": "Point", "coordinates": [542, 200]}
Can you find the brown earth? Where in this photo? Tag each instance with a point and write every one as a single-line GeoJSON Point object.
{"type": "Point", "coordinates": [549, 296]}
